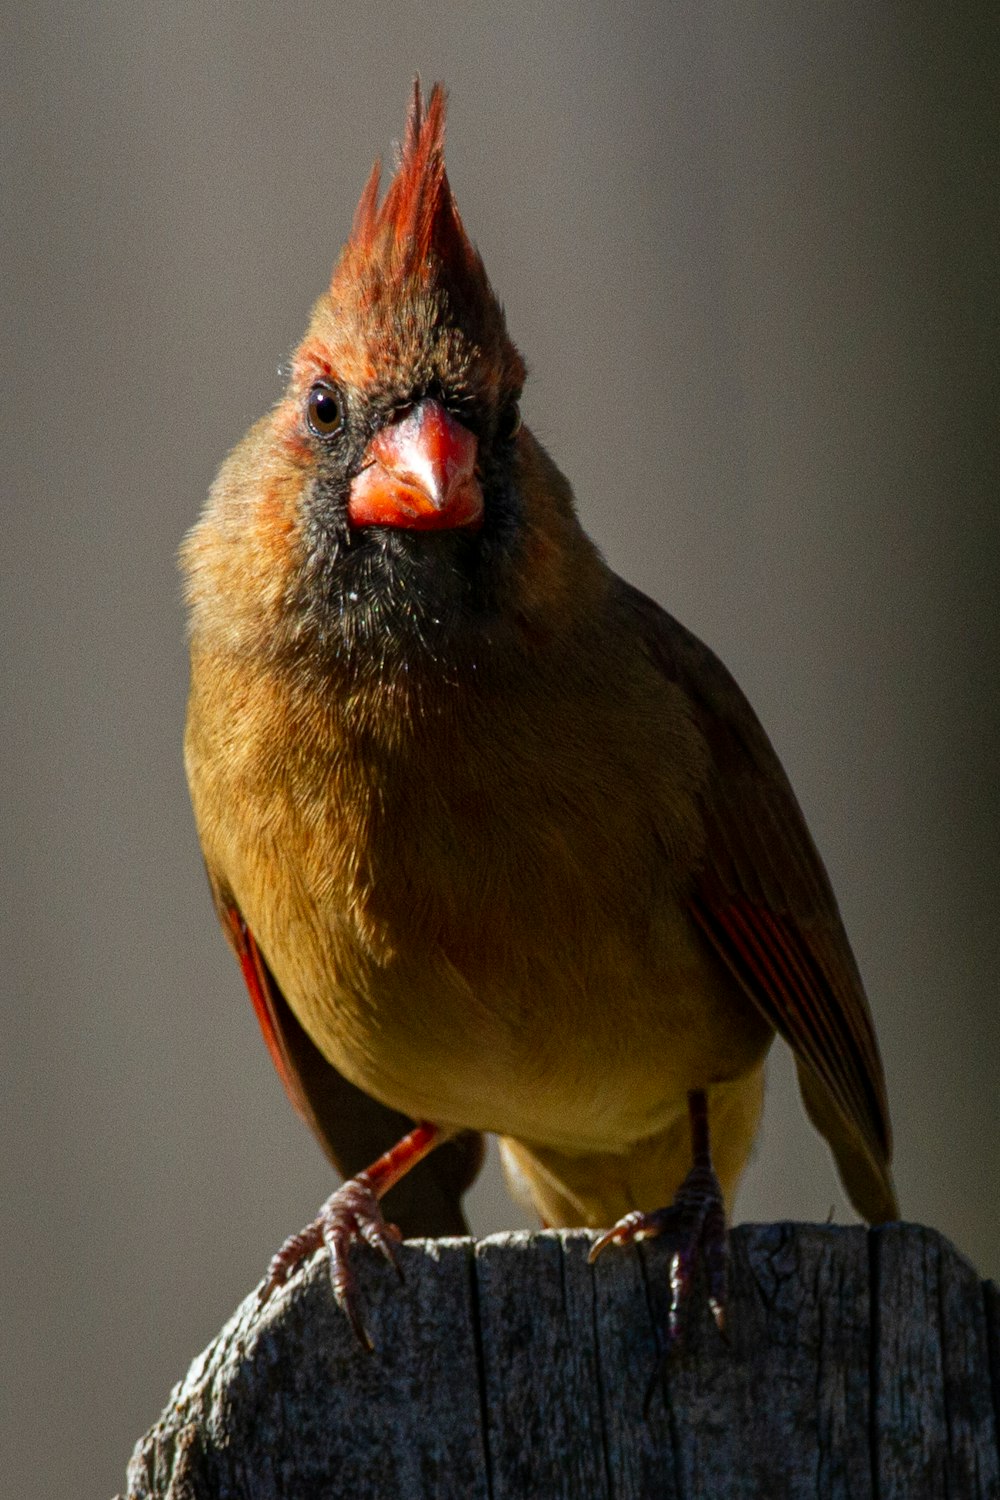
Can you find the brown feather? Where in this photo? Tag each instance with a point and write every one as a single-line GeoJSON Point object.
{"type": "Point", "coordinates": [763, 899]}
{"type": "Point", "coordinates": [352, 1128]}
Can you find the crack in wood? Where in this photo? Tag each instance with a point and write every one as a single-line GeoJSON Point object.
{"type": "Point", "coordinates": [858, 1364]}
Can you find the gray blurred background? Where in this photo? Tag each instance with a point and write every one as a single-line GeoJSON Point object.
{"type": "Point", "coordinates": [749, 251]}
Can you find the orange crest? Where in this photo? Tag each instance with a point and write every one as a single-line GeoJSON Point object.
{"type": "Point", "coordinates": [416, 231]}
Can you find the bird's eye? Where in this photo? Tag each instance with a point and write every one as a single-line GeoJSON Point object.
{"type": "Point", "coordinates": [509, 424]}
{"type": "Point", "coordinates": [323, 411]}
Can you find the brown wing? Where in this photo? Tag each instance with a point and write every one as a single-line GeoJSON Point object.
{"type": "Point", "coordinates": [352, 1128]}
{"type": "Point", "coordinates": [763, 900]}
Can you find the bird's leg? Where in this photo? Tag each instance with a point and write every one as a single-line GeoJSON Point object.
{"type": "Point", "coordinates": [353, 1212]}
{"type": "Point", "coordinates": [697, 1217]}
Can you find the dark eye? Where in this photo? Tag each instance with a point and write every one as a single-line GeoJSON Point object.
{"type": "Point", "coordinates": [509, 424]}
{"type": "Point", "coordinates": [323, 410]}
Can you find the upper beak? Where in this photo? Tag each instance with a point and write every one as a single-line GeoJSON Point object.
{"type": "Point", "coordinates": [419, 472]}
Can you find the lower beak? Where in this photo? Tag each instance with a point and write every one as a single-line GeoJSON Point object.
{"type": "Point", "coordinates": [420, 473]}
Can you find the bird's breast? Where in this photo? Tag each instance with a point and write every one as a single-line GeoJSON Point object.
{"type": "Point", "coordinates": [481, 926]}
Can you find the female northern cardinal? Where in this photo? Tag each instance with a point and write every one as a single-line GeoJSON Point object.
{"type": "Point", "coordinates": [499, 844]}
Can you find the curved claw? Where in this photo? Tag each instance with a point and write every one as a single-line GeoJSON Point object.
{"type": "Point", "coordinates": [634, 1226]}
{"type": "Point", "coordinates": [384, 1238]}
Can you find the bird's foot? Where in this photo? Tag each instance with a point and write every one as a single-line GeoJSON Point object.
{"type": "Point", "coordinates": [351, 1213]}
{"type": "Point", "coordinates": [697, 1217]}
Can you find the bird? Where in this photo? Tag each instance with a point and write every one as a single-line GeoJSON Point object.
{"type": "Point", "coordinates": [500, 846]}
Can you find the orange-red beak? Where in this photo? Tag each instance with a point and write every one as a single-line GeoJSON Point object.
{"type": "Point", "coordinates": [419, 472]}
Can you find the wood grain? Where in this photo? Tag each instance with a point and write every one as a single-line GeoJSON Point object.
{"type": "Point", "coordinates": [858, 1363]}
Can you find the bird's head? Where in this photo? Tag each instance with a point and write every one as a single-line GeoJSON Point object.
{"type": "Point", "coordinates": [392, 507]}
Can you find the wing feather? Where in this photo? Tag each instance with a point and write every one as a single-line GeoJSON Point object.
{"type": "Point", "coordinates": [764, 902]}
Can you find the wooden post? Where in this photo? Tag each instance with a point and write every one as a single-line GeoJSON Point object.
{"type": "Point", "coordinates": [860, 1363]}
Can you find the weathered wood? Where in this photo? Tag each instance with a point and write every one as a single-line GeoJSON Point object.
{"type": "Point", "coordinates": [857, 1364]}
{"type": "Point", "coordinates": [936, 1420]}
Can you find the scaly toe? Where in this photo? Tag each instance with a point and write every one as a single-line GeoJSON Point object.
{"type": "Point", "coordinates": [703, 1231]}
{"type": "Point", "coordinates": [296, 1249]}
{"type": "Point", "coordinates": [632, 1228]}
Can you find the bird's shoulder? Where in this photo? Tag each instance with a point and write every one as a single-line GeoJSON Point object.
{"type": "Point", "coordinates": [757, 841]}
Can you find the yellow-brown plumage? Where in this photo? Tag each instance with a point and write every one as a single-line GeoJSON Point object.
{"type": "Point", "coordinates": [499, 826]}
